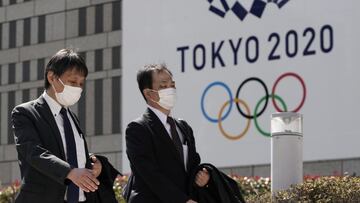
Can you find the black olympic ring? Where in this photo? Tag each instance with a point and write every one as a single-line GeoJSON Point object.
{"type": "Point", "coordinates": [266, 100]}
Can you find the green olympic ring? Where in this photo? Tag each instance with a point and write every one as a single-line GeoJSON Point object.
{"type": "Point", "coordinates": [267, 134]}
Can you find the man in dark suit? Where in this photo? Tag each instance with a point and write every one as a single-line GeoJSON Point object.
{"type": "Point", "coordinates": [53, 156]}
{"type": "Point", "coordinates": [161, 149]}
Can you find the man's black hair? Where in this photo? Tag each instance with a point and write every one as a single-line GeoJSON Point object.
{"type": "Point", "coordinates": [144, 75]}
{"type": "Point", "coordinates": [64, 60]}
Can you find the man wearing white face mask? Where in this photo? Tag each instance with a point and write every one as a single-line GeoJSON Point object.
{"type": "Point", "coordinates": [53, 157]}
{"type": "Point", "coordinates": [160, 148]}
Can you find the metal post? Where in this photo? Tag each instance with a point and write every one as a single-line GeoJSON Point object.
{"type": "Point", "coordinates": [286, 150]}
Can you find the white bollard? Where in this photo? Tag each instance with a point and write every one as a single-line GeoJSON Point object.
{"type": "Point", "coordinates": [286, 150]}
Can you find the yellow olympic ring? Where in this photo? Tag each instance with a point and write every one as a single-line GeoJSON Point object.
{"type": "Point", "coordinates": [232, 137]}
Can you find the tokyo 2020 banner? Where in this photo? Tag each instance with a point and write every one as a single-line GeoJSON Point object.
{"type": "Point", "coordinates": [235, 62]}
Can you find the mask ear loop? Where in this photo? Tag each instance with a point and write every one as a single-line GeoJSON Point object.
{"type": "Point", "coordinates": [54, 86]}
{"type": "Point", "coordinates": [61, 82]}
{"type": "Point", "coordinates": [151, 90]}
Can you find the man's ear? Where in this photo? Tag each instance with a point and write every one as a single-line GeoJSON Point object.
{"type": "Point", "coordinates": [50, 77]}
{"type": "Point", "coordinates": [146, 93]}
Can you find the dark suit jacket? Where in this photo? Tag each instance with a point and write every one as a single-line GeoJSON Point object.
{"type": "Point", "coordinates": [41, 154]}
{"type": "Point", "coordinates": [158, 173]}
{"type": "Point", "coordinates": [220, 188]}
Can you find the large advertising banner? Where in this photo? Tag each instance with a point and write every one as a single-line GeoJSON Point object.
{"type": "Point", "coordinates": [235, 62]}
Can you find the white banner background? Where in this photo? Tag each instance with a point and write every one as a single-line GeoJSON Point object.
{"type": "Point", "coordinates": [153, 30]}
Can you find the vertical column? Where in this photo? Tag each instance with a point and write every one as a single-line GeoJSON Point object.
{"type": "Point", "coordinates": [72, 23]}
{"type": "Point", "coordinates": [107, 106]}
{"type": "Point", "coordinates": [107, 53]}
{"type": "Point", "coordinates": [116, 104]}
{"type": "Point", "coordinates": [99, 107]}
{"type": "Point", "coordinates": [4, 118]}
{"type": "Point", "coordinates": [5, 2]}
{"type": "Point", "coordinates": [90, 20]}
{"type": "Point", "coordinates": [34, 30]}
{"type": "Point", "coordinates": [90, 107]}
{"type": "Point", "coordinates": [82, 102]}
{"type": "Point", "coordinates": [19, 72]}
{"type": "Point", "coordinates": [108, 17]}
{"type": "Point", "coordinates": [19, 33]}
{"type": "Point", "coordinates": [11, 105]}
{"type": "Point", "coordinates": [82, 110]}
{"type": "Point", "coordinates": [25, 78]}
{"type": "Point", "coordinates": [4, 74]}
{"type": "Point", "coordinates": [49, 24]}
{"type": "Point", "coordinates": [1, 35]}
{"type": "Point", "coordinates": [18, 98]}
{"type": "Point", "coordinates": [5, 36]}
{"type": "Point", "coordinates": [58, 27]}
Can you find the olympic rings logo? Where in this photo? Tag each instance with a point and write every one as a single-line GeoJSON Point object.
{"type": "Point", "coordinates": [275, 99]}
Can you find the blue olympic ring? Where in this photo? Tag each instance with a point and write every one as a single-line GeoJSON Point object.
{"type": "Point", "coordinates": [216, 83]}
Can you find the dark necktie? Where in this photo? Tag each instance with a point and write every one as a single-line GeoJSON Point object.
{"type": "Point", "coordinates": [175, 137]}
{"type": "Point", "coordinates": [73, 190]}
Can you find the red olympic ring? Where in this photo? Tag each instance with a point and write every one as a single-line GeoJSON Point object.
{"type": "Point", "coordinates": [302, 84]}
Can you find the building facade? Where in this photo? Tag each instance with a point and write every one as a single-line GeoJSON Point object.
{"type": "Point", "coordinates": [31, 31]}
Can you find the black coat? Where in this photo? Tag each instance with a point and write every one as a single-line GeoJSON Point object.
{"type": "Point", "coordinates": [41, 154]}
{"type": "Point", "coordinates": [158, 173]}
{"type": "Point", "coordinates": [105, 192]}
{"type": "Point", "coordinates": [220, 189]}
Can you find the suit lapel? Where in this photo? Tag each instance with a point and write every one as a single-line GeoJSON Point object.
{"type": "Point", "coordinates": [186, 136]}
{"type": "Point", "coordinates": [45, 112]}
{"type": "Point", "coordinates": [161, 133]}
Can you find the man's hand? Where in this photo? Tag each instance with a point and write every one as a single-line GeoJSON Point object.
{"type": "Point", "coordinates": [84, 179]}
{"type": "Point", "coordinates": [96, 166]}
{"type": "Point", "coordinates": [202, 178]}
{"type": "Point", "coordinates": [191, 201]}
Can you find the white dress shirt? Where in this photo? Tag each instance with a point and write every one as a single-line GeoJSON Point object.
{"type": "Point", "coordinates": [163, 118]}
{"type": "Point", "coordinates": [80, 145]}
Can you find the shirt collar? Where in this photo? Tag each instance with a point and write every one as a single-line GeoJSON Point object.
{"type": "Point", "coordinates": [162, 117]}
{"type": "Point", "coordinates": [54, 106]}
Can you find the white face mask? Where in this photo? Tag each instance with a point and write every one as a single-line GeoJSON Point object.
{"type": "Point", "coordinates": [167, 98]}
{"type": "Point", "coordinates": [69, 96]}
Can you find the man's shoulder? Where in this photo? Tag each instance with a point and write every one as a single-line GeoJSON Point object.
{"type": "Point", "coordinates": [27, 106]}
{"type": "Point", "coordinates": [136, 129]}
{"type": "Point", "coordinates": [140, 121]}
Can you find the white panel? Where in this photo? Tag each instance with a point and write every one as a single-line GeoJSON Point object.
{"type": "Point", "coordinates": [329, 74]}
